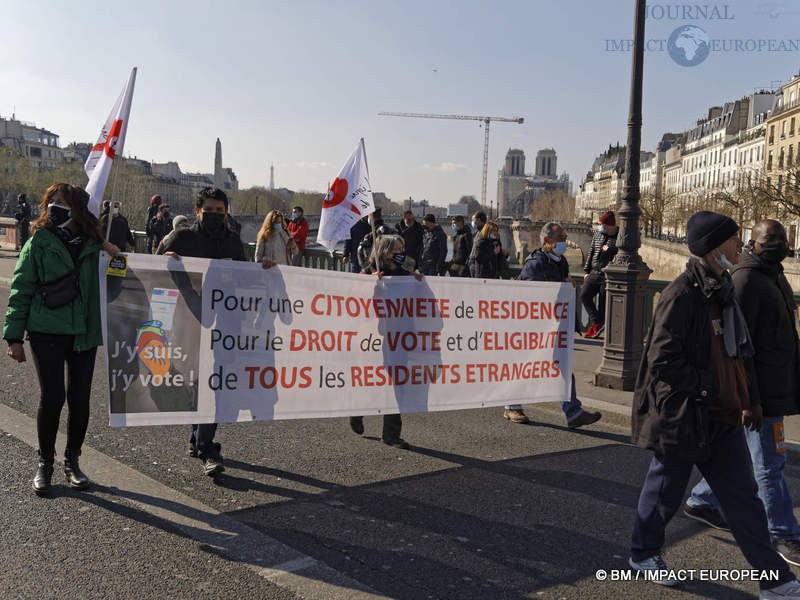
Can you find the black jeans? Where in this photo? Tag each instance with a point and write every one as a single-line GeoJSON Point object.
{"type": "Point", "coordinates": [50, 353]}
{"type": "Point", "coordinates": [729, 472]}
{"type": "Point", "coordinates": [594, 285]}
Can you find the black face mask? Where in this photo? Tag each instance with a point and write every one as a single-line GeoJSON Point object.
{"type": "Point", "coordinates": [774, 253]}
{"type": "Point", "coordinates": [58, 214]}
{"type": "Point", "coordinates": [213, 222]}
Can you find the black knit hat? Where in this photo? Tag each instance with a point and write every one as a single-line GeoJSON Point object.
{"type": "Point", "coordinates": [707, 230]}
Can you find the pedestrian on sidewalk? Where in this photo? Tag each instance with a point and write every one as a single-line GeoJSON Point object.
{"type": "Point", "coordinates": [152, 211]}
{"type": "Point", "coordinates": [602, 250]}
{"type": "Point", "coordinates": [55, 298]}
{"type": "Point", "coordinates": [768, 305]}
{"type": "Point", "coordinates": [23, 217]}
{"type": "Point", "coordinates": [298, 229]}
{"type": "Point", "coordinates": [548, 263]}
{"type": "Point", "coordinates": [434, 247]}
{"type": "Point", "coordinates": [477, 222]}
{"type": "Point", "coordinates": [209, 237]}
{"type": "Point", "coordinates": [160, 225]}
{"type": "Point", "coordinates": [121, 234]}
{"type": "Point", "coordinates": [462, 247]}
{"type": "Point", "coordinates": [411, 231]}
{"type": "Point", "coordinates": [273, 242]}
{"type": "Point", "coordinates": [691, 402]}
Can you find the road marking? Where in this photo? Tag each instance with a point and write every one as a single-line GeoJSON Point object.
{"type": "Point", "coordinates": [269, 558]}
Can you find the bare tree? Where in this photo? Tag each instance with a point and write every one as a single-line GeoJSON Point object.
{"type": "Point", "coordinates": [655, 207]}
{"type": "Point", "coordinates": [553, 206]}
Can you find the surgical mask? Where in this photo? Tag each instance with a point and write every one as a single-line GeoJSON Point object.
{"type": "Point", "coordinates": [560, 249]}
{"type": "Point", "coordinates": [774, 253]}
{"type": "Point", "coordinates": [399, 258]}
{"type": "Point", "coordinates": [474, 225]}
{"type": "Point", "coordinates": [723, 262]}
{"type": "Point", "coordinates": [276, 226]}
{"type": "Point", "coordinates": [492, 236]}
{"type": "Point", "coordinates": [213, 222]}
{"type": "Point", "coordinates": [58, 214]}
{"type": "Point", "coordinates": [602, 229]}
{"type": "Point", "coordinates": [454, 227]}
{"type": "Point", "coordinates": [294, 216]}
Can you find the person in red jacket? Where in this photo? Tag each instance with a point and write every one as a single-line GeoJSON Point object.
{"type": "Point", "coordinates": [298, 229]}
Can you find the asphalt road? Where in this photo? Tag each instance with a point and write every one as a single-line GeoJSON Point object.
{"type": "Point", "coordinates": [479, 509]}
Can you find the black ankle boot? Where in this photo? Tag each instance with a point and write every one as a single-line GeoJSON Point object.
{"type": "Point", "coordinates": [72, 472]}
{"type": "Point", "coordinates": [44, 475]}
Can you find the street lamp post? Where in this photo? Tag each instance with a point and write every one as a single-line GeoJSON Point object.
{"type": "Point", "coordinates": [626, 276]}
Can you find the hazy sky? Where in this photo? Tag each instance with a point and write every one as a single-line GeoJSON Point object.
{"type": "Point", "coordinates": [298, 83]}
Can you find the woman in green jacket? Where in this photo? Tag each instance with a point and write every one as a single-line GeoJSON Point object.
{"type": "Point", "coordinates": [55, 298]}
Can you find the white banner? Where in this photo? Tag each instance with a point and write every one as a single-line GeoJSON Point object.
{"type": "Point", "coordinates": [199, 341]}
{"type": "Point", "coordinates": [349, 199]}
{"type": "Point", "coordinates": [110, 141]}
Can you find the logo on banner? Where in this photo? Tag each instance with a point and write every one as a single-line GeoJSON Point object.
{"type": "Point", "coordinates": [152, 347]}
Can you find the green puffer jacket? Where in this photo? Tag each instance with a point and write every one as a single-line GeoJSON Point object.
{"type": "Point", "coordinates": [44, 258]}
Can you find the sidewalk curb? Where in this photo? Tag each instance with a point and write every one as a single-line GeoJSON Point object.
{"type": "Point", "coordinates": [620, 416]}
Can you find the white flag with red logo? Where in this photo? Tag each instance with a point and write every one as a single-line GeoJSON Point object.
{"type": "Point", "coordinates": [110, 142]}
{"type": "Point", "coordinates": [349, 199]}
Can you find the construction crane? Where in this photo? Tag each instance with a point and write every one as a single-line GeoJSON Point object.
{"type": "Point", "coordinates": [484, 120]}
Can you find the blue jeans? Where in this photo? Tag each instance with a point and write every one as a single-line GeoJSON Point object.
{"type": "Point", "coordinates": [572, 408]}
{"type": "Point", "coordinates": [768, 467]}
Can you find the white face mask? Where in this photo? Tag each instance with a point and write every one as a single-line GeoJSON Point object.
{"type": "Point", "coordinates": [723, 262]}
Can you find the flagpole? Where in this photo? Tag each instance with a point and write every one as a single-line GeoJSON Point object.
{"type": "Point", "coordinates": [113, 196]}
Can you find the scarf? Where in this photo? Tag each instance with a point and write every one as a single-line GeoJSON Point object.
{"type": "Point", "coordinates": [719, 289]}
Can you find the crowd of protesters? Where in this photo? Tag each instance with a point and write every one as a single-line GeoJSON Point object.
{"type": "Point", "coordinates": [719, 372]}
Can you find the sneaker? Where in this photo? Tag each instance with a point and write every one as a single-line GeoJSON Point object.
{"type": "Point", "coordinates": [591, 333]}
{"type": "Point", "coordinates": [790, 589]}
{"type": "Point", "coordinates": [600, 329]}
{"type": "Point", "coordinates": [789, 550]}
{"type": "Point", "coordinates": [585, 418]}
{"type": "Point", "coordinates": [515, 415]}
{"type": "Point", "coordinates": [707, 515]}
{"type": "Point", "coordinates": [656, 570]}
{"type": "Point", "coordinates": [357, 425]}
{"type": "Point", "coordinates": [396, 443]}
{"type": "Point", "coordinates": [213, 465]}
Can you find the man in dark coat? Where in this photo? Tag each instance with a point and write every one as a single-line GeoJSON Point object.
{"type": "Point", "coordinates": [357, 234]}
{"type": "Point", "coordinates": [23, 217]}
{"type": "Point", "coordinates": [121, 235]}
{"type": "Point", "coordinates": [477, 222]}
{"type": "Point", "coordinates": [602, 250]}
{"type": "Point", "coordinates": [462, 247]}
{"type": "Point", "coordinates": [152, 211]}
{"type": "Point", "coordinates": [768, 305]}
{"type": "Point", "coordinates": [548, 263]}
{"type": "Point", "coordinates": [209, 237]}
{"type": "Point", "coordinates": [160, 225]}
{"type": "Point", "coordinates": [690, 403]}
{"type": "Point", "coordinates": [411, 231]}
{"type": "Point", "coordinates": [434, 247]}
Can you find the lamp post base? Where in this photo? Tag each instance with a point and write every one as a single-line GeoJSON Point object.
{"type": "Point", "coordinates": [626, 302]}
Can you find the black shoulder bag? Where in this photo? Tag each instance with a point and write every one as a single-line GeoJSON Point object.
{"type": "Point", "coordinates": [62, 290]}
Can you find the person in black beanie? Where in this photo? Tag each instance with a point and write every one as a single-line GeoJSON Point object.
{"type": "Point", "coordinates": [691, 401]}
{"type": "Point", "coordinates": [769, 308]}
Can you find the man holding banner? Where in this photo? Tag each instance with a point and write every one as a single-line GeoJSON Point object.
{"type": "Point", "coordinates": [209, 237]}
